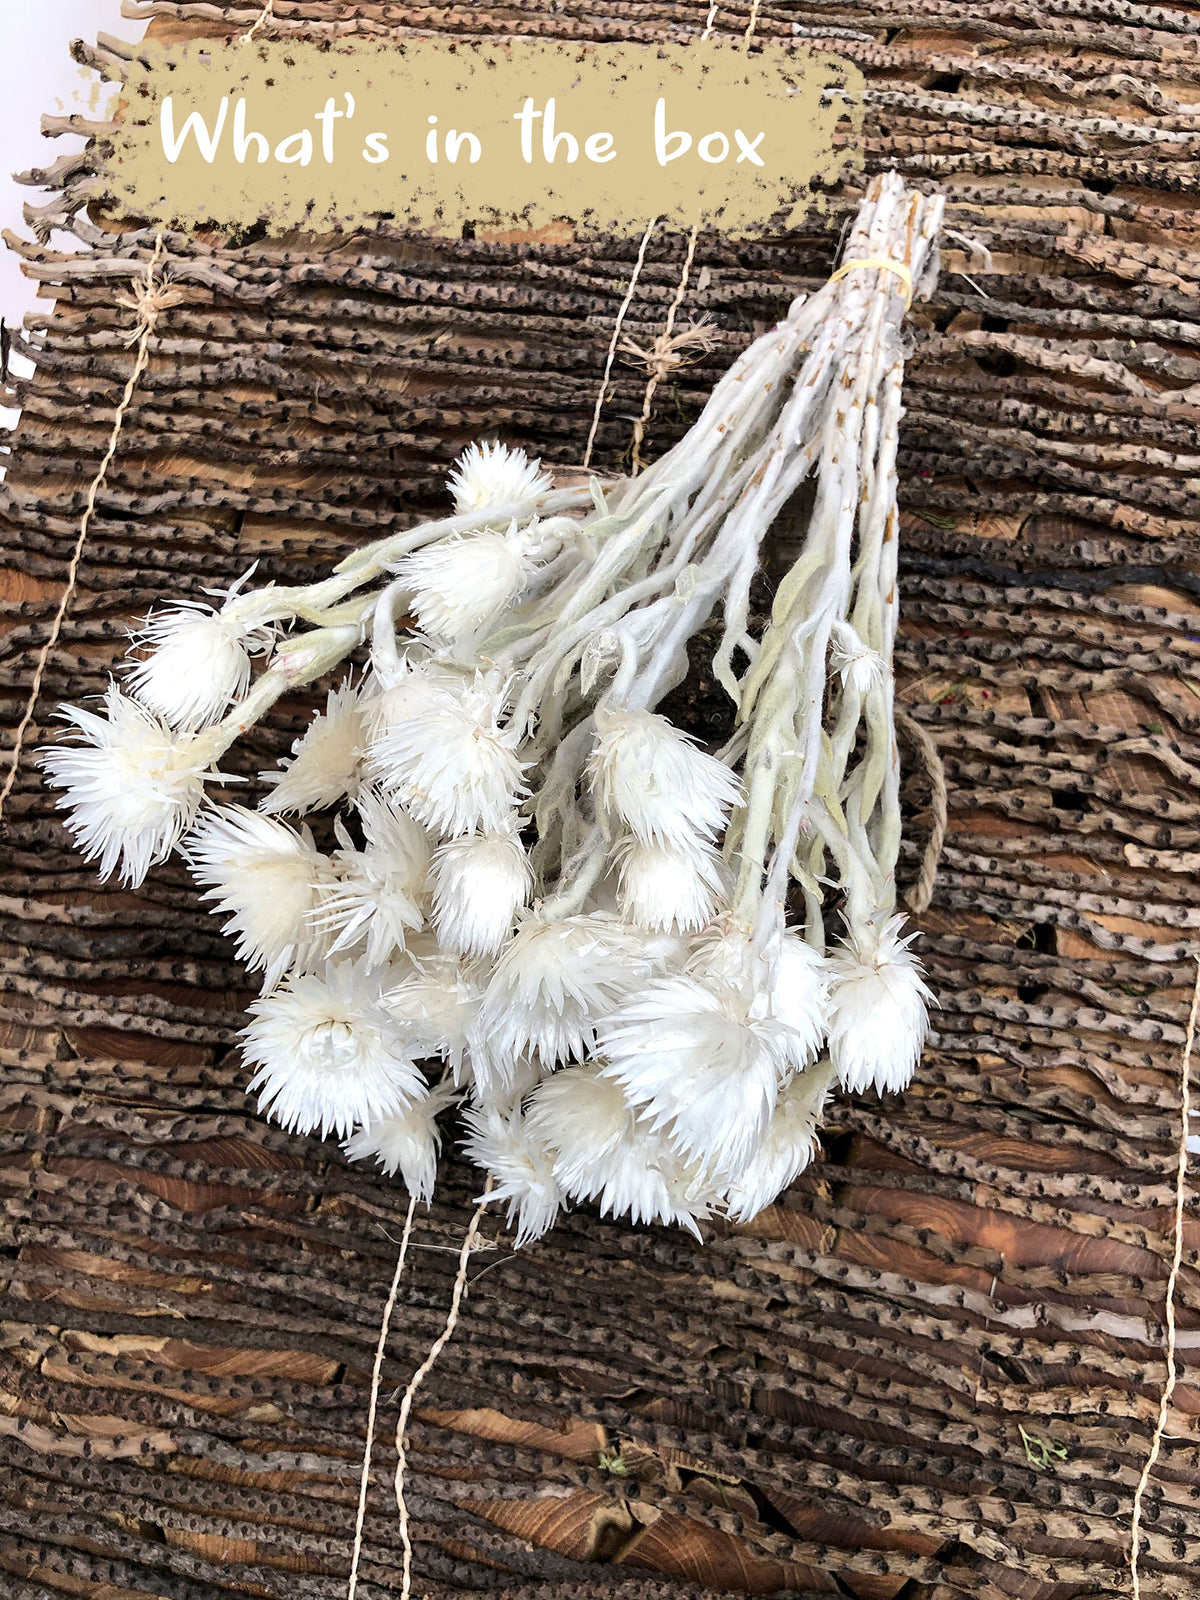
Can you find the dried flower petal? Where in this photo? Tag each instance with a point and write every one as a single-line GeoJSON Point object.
{"type": "Point", "coordinates": [329, 1056]}
{"type": "Point", "coordinates": [133, 787]}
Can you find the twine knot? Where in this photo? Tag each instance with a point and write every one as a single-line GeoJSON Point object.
{"type": "Point", "coordinates": [670, 351]}
{"type": "Point", "coordinates": [149, 300]}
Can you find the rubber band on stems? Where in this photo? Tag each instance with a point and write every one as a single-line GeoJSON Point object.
{"type": "Point", "coordinates": [884, 264]}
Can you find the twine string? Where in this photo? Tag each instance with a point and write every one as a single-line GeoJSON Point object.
{"type": "Point", "coordinates": [919, 894]}
{"type": "Point", "coordinates": [419, 1376]}
{"type": "Point", "coordinates": [376, 1370]}
{"type": "Point", "coordinates": [149, 300]}
{"type": "Point", "coordinates": [667, 352]}
{"type": "Point", "coordinates": [615, 340]}
{"type": "Point", "coordinates": [1168, 1389]}
{"type": "Point", "coordinates": [260, 21]}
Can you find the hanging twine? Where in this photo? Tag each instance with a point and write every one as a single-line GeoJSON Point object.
{"type": "Point", "coordinates": [470, 1242]}
{"type": "Point", "coordinates": [616, 335]}
{"type": "Point", "coordinates": [263, 17]}
{"type": "Point", "coordinates": [919, 894]}
{"type": "Point", "coordinates": [668, 352]}
{"type": "Point", "coordinates": [149, 300]}
{"type": "Point", "coordinates": [365, 1479]}
{"type": "Point", "coordinates": [1164, 1401]}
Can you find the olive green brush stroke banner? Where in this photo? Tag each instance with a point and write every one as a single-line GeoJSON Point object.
{"type": "Point", "coordinates": [436, 133]}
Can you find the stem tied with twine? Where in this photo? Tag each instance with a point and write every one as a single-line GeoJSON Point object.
{"type": "Point", "coordinates": [149, 299]}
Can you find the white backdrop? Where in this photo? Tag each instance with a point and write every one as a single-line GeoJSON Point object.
{"type": "Point", "coordinates": [39, 75]}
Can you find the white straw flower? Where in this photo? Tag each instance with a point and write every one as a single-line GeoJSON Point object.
{"type": "Point", "coordinates": [788, 1145]}
{"type": "Point", "coordinates": [199, 662]}
{"type": "Point", "coordinates": [396, 693]}
{"type": "Point", "coordinates": [521, 1168]}
{"type": "Point", "coordinates": [451, 763]}
{"type": "Point", "coordinates": [551, 984]}
{"type": "Point", "coordinates": [328, 1054]}
{"type": "Point", "coordinates": [480, 882]}
{"type": "Point", "coordinates": [408, 1143]}
{"type": "Point", "coordinates": [859, 667]}
{"type": "Point", "coordinates": [133, 786]}
{"type": "Point", "coordinates": [799, 997]}
{"type": "Point", "coordinates": [488, 475]}
{"type": "Point", "coordinates": [786, 981]}
{"type": "Point", "coordinates": [461, 585]}
{"type": "Point", "coordinates": [269, 879]}
{"type": "Point", "coordinates": [691, 1055]}
{"type": "Point", "coordinates": [877, 1009]}
{"type": "Point", "coordinates": [651, 779]}
{"type": "Point", "coordinates": [377, 902]}
{"type": "Point", "coordinates": [603, 1152]}
{"type": "Point", "coordinates": [434, 997]}
{"type": "Point", "coordinates": [507, 1094]}
{"type": "Point", "coordinates": [668, 889]}
{"type": "Point", "coordinates": [327, 759]}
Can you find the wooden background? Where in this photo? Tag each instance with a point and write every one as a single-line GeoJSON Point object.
{"type": "Point", "coordinates": [932, 1369]}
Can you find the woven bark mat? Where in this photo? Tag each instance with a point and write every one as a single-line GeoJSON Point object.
{"type": "Point", "coordinates": [932, 1369]}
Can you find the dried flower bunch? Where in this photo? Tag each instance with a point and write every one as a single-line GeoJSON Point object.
{"type": "Point", "coordinates": [538, 880]}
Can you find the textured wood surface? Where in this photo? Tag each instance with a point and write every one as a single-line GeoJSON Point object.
{"type": "Point", "coordinates": [932, 1369]}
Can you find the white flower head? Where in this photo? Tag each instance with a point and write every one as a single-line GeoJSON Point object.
{"type": "Point", "coordinates": [859, 667]}
{"type": "Point", "coordinates": [799, 997]}
{"type": "Point", "coordinates": [269, 879]}
{"type": "Point", "coordinates": [480, 883]}
{"type": "Point", "coordinates": [786, 981]}
{"type": "Point", "coordinates": [788, 1145]}
{"type": "Point", "coordinates": [878, 1013]}
{"type": "Point", "coordinates": [602, 1151]}
{"type": "Point", "coordinates": [460, 585]}
{"type": "Point", "coordinates": [521, 1168]}
{"type": "Point", "coordinates": [133, 787]}
{"type": "Point", "coordinates": [408, 1143]}
{"type": "Point", "coordinates": [434, 997]}
{"type": "Point", "coordinates": [668, 889]}
{"type": "Point", "coordinates": [199, 662]}
{"type": "Point", "coordinates": [329, 1056]}
{"type": "Point", "coordinates": [452, 763]}
{"type": "Point", "coordinates": [554, 980]}
{"type": "Point", "coordinates": [699, 1065]}
{"type": "Point", "coordinates": [650, 779]}
{"type": "Point", "coordinates": [395, 694]}
{"type": "Point", "coordinates": [507, 1094]}
{"type": "Point", "coordinates": [327, 760]}
{"type": "Point", "coordinates": [495, 475]}
{"type": "Point", "coordinates": [377, 901]}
